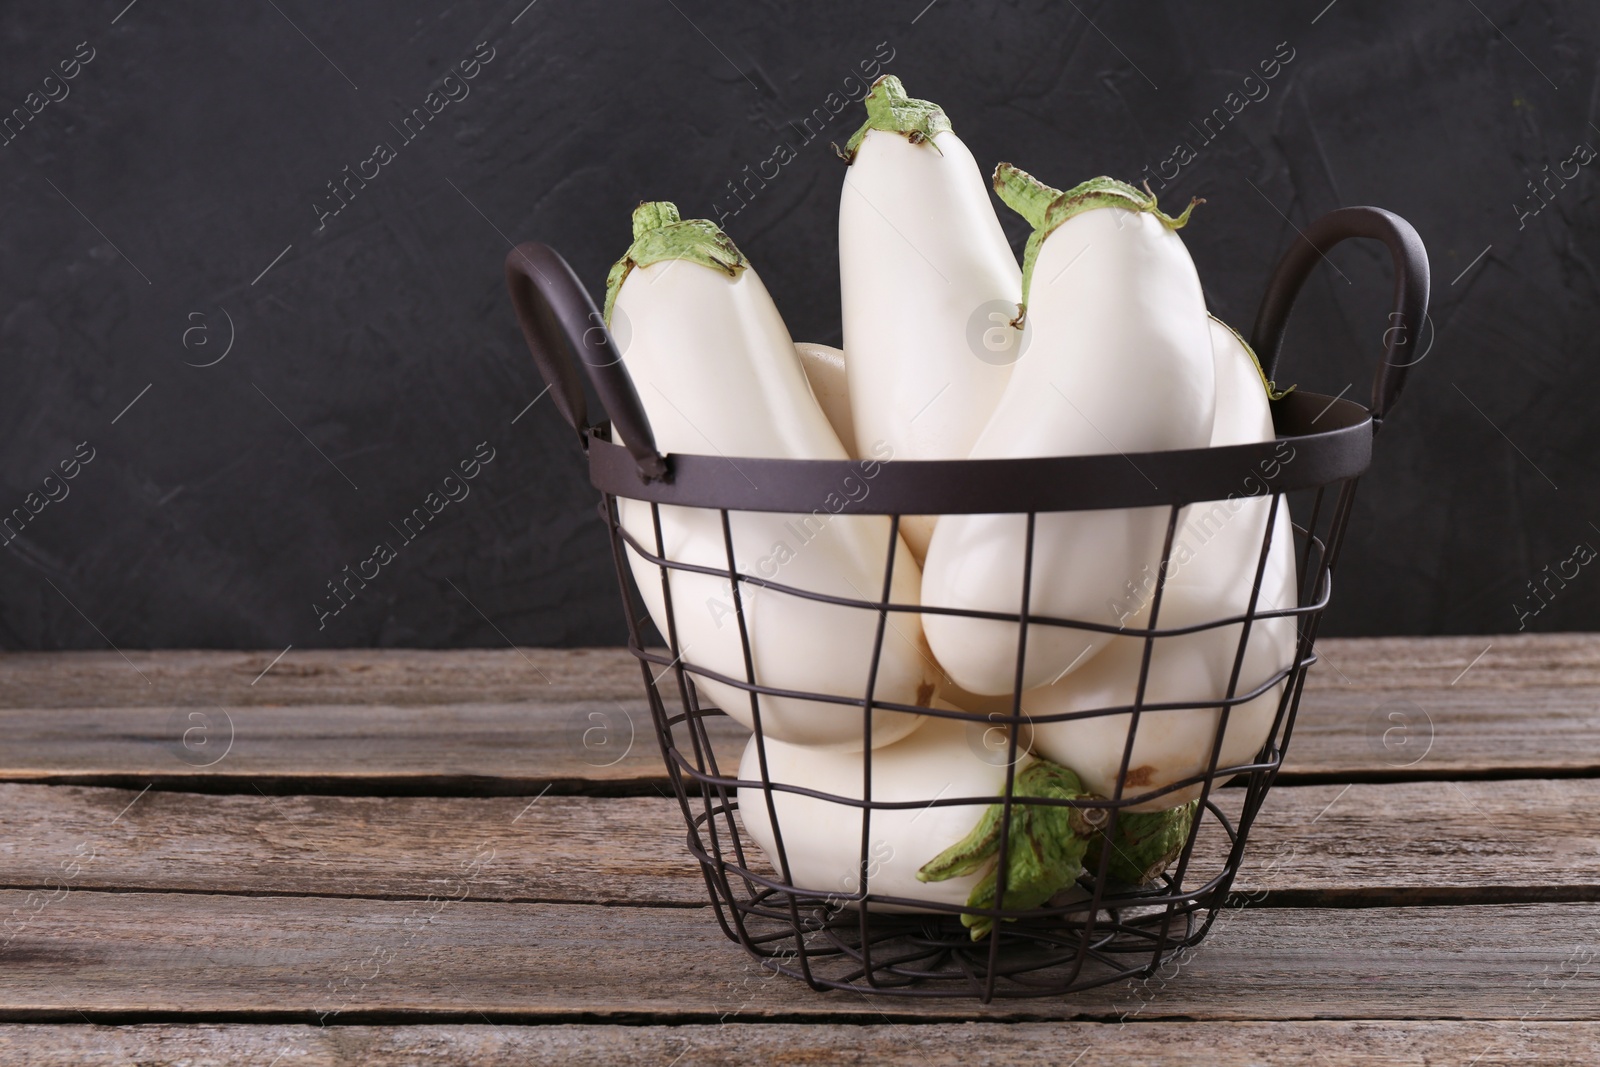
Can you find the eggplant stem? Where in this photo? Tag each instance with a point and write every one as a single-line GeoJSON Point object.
{"type": "Point", "coordinates": [1045, 848]}
{"type": "Point", "coordinates": [1145, 844]}
{"type": "Point", "coordinates": [660, 233]}
{"type": "Point", "coordinates": [889, 109]}
{"type": "Point", "coordinates": [1047, 208]}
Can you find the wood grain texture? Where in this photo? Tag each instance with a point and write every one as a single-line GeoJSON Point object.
{"type": "Point", "coordinates": [325, 676]}
{"type": "Point", "coordinates": [1469, 841]}
{"type": "Point", "coordinates": [1444, 706]}
{"type": "Point", "coordinates": [438, 748]}
{"type": "Point", "coordinates": [385, 721]}
{"type": "Point", "coordinates": [281, 959]}
{"type": "Point", "coordinates": [168, 907]}
{"type": "Point", "coordinates": [1512, 662]}
{"type": "Point", "coordinates": [1240, 1044]}
{"type": "Point", "coordinates": [426, 676]}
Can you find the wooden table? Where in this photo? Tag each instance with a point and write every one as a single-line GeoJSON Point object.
{"type": "Point", "coordinates": [414, 857]}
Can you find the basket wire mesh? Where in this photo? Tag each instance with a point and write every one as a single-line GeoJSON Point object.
{"type": "Point", "coordinates": [1098, 930]}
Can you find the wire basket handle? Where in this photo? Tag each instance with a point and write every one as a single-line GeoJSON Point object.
{"type": "Point", "coordinates": [1410, 293]}
{"type": "Point", "coordinates": [559, 320]}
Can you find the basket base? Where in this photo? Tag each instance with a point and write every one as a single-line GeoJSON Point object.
{"type": "Point", "coordinates": [935, 955]}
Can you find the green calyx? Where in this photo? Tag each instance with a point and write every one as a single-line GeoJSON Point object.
{"type": "Point", "coordinates": [660, 234]}
{"type": "Point", "coordinates": [1046, 208]}
{"type": "Point", "coordinates": [1045, 845]}
{"type": "Point", "coordinates": [1273, 392]}
{"type": "Point", "coordinates": [1144, 844]}
{"type": "Point", "coordinates": [891, 110]}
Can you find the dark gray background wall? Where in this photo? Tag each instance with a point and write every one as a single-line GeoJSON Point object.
{"type": "Point", "coordinates": [171, 202]}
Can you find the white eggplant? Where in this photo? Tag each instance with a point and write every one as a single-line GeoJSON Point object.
{"type": "Point", "coordinates": [824, 367]}
{"type": "Point", "coordinates": [1185, 670]}
{"type": "Point", "coordinates": [1120, 361]}
{"type": "Point", "coordinates": [1227, 533]}
{"type": "Point", "coordinates": [717, 374]}
{"type": "Point", "coordinates": [1244, 415]}
{"type": "Point", "coordinates": [936, 854]}
{"type": "Point", "coordinates": [1214, 560]}
{"type": "Point", "coordinates": [928, 284]}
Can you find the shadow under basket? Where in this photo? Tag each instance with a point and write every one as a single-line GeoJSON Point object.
{"type": "Point", "coordinates": [1097, 930]}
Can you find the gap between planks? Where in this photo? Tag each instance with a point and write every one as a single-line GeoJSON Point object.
{"type": "Point", "coordinates": [466, 786]}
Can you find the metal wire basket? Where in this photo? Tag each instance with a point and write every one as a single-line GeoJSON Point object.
{"type": "Point", "coordinates": [1102, 930]}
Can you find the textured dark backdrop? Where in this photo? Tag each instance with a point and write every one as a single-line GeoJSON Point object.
{"type": "Point", "coordinates": [194, 148]}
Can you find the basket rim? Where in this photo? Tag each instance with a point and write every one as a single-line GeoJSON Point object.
{"type": "Point", "coordinates": [1328, 439]}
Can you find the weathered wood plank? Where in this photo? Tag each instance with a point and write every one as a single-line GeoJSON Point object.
{"type": "Point", "coordinates": [1509, 661]}
{"type": "Point", "coordinates": [554, 848]}
{"type": "Point", "coordinates": [385, 721]}
{"type": "Point", "coordinates": [283, 959]}
{"type": "Point", "coordinates": [1421, 840]}
{"type": "Point", "coordinates": [1243, 1044]}
{"type": "Point", "coordinates": [315, 676]}
{"type": "Point", "coordinates": [429, 676]}
{"type": "Point", "coordinates": [1471, 841]}
{"type": "Point", "coordinates": [1443, 706]}
{"type": "Point", "coordinates": [519, 748]}
{"type": "Point", "coordinates": [1412, 732]}
{"type": "Point", "coordinates": [482, 748]}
